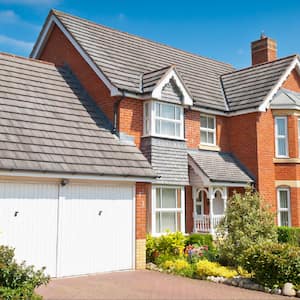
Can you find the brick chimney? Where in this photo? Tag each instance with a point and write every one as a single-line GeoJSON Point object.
{"type": "Point", "coordinates": [263, 50]}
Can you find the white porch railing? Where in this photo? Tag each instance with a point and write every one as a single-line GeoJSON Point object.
{"type": "Point", "coordinates": [203, 224]}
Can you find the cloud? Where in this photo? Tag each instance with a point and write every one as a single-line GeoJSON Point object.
{"type": "Point", "coordinates": [8, 16]}
{"type": "Point", "coordinates": [16, 44]}
{"type": "Point", "coordinates": [31, 2]}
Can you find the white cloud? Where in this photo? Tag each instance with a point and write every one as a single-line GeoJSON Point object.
{"type": "Point", "coordinates": [16, 44]}
{"type": "Point", "coordinates": [31, 2]}
{"type": "Point", "coordinates": [8, 16]}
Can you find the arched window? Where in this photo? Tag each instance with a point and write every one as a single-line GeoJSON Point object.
{"type": "Point", "coordinates": [200, 202]}
{"type": "Point", "coordinates": [218, 204]}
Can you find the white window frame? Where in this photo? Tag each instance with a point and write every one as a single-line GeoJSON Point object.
{"type": "Point", "coordinates": [285, 136]}
{"type": "Point", "coordinates": [151, 118]}
{"type": "Point", "coordinates": [279, 209]}
{"type": "Point", "coordinates": [199, 202]}
{"type": "Point", "coordinates": [206, 129]}
{"type": "Point", "coordinates": [155, 210]}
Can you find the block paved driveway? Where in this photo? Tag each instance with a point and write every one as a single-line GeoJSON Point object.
{"type": "Point", "coordinates": [139, 285]}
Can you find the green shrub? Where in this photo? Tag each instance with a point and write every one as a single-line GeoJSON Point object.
{"type": "Point", "coordinates": [247, 221]}
{"type": "Point", "coordinates": [200, 239]}
{"type": "Point", "coordinates": [179, 266]}
{"type": "Point", "coordinates": [290, 235]}
{"type": "Point", "coordinates": [273, 264]}
{"type": "Point", "coordinates": [206, 268]}
{"type": "Point", "coordinates": [18, 281]}
{"type": "Point", "coordinates": [169, 244]}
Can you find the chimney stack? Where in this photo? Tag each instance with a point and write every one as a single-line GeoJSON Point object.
{"type": "Point", "coordinates": [263, 50]}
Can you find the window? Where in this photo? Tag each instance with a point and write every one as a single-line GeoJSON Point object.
{"type": "Point", "coordinates": [207, 130]}
{"type": "Point", "coordinates": [200, 203]}
{"type": "Point", "coordinates": [283, 195]}
{"type": "Point", "coordinates": [163, 119]}
{"type": "Point", "coordinates": [281, 137]}
{"type": "Point", "coordinates": [168, 209]}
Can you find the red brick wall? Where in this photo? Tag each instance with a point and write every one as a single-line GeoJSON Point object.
{"type": "Point", "coordinates": [142, 196]}
{"type": "Point", "coordinates": [295, 206]}
{"type": "Point", "coordinates": [192, 128]}
{"type": "Point", "coordinates": [293, 82]}
{"type": "Point", "coordinates": [189, 209]}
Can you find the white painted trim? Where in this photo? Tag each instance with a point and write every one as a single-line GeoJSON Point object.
{"type": "Point", "coordinates": [266, 102]}
{"type": "Point", "coordinates": [290, 183]}
{"type": "Point", "coordinates": [289, 204]}
{"type": "Point", "coordinates": [71, 176]}
{"type": "Point", "coordinates": [171, 73]}
{"type": "Point", "coordinates": [285, 136]}
{"type": "Point", "coordinates": [134, 227]}
{"type": "Point", "coordinates": [43, 39]}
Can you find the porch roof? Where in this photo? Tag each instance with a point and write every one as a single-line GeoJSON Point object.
{"type": "Point", "coordinates": [218, 167]}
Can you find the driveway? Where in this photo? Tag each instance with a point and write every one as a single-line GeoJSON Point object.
{"type": "Point", "coordinates": [144, 285]}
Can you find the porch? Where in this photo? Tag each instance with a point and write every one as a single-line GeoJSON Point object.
{"type": "Point", "coordinates": [213, 176]}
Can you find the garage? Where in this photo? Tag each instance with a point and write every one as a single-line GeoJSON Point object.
{"type": "Point", "coordinates": [71, 228]}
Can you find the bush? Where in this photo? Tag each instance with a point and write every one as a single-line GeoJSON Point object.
{"type": "Point", "coordinates": [206, 268]}
{"type": "Point", "coordinates": [18, 281]}
{"type": "Point", "coordinates": [179, 267]}
{"type": "Point", "coordinates": [290, 235]}
{"type": "Point", "coordinates": [169, 244]}
{"type": "Point", "coordinates": [273, 264]}
{"type": "Point", "coordinates": [247, 222]}
{"type": "Point", "coordinates": [200, 240]}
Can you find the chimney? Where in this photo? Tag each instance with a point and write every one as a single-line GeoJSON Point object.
{"type": "Point", "coordinates": [263, 50]}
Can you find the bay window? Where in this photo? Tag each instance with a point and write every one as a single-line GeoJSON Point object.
{"type": "Point", "coordinates": [283, 198]}
{"type": "Point", "coordinates": [167, 209]}
{"type": "Point", "coordinates": [207, 130]}
{"type": "Point", "coordinates": [281, 137]}
{"type": "Point", "coordinates": [163, 119]}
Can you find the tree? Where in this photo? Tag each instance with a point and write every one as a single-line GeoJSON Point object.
{"type": "Point", "coordinates": [248, 221]}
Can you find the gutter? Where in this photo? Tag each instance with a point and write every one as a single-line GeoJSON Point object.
{"type": "Point", "coordinates": [116, 110]}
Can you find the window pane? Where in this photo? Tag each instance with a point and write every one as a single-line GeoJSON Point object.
{"type": "Point", "coordinates": [178, 113]}
{"type": "Point", "coordinates": [168, 111]}
{"type": "Point", "coordinates": [198, 209]}
{"type": "Point", "coordinates": [177, 129]}
{"type": "Point", "coordinates": [167, 128]}
{"type": "Point", "coordinates": [157, 126]}
{"type": "Point", "coordinates": [203, 121]}
{"type": "Point", "coordinates": [158, 200]}
{"type": "Point", "coordinates": [210, 138]}
{"type": "Point", "coordinates": [166, 221]}
{"type": "Point", "coordinates": [157, 109]}
{"type": "Point", "coordinates": [281, 144]}
{"type": "Point", "coordinates": [283, 196]}
{"type": "Point", "coordinates": [284, 218]}
{"type": "Point", "coordinates": [169, 198]}
{"type": "Point", "coordinates": [211, 123]}
{"type": "Point", "coordinates": [280, 126]}
{"type": "Point", "coordinates": [203, 137]}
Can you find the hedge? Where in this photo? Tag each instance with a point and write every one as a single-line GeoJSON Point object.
{"type": "Point", "coordinates": [289, 235]}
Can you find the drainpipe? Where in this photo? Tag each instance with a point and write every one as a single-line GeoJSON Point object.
{"type": "Point", "coordinates": [116, 110]}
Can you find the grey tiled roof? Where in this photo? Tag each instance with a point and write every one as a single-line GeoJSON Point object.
{"type": "Point", "coordinates": [168, 159]}
{"type": "Point", "coordinates": [124, 58]}
{"type": "Point", "coordinates": [220, 166]}
{"type": "Point", "coordinates": [285, 98]}
{"type": "Point", "coordinates": [247, 88]}
{"type": "Point", "coordinates": [49, 123]}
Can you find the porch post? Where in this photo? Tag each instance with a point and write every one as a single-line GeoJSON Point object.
{"type": "Point", "coordinates": [211, 210]}
{"type": "Point", "coordinates": [225, 196]}
{"type": "Point", "coordinates": [194, 192]}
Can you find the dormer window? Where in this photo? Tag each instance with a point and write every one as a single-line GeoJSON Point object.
{"type": "Point", "coordinates": [163, 120]}
{"type": "Point", "coordinates": [208, 130]}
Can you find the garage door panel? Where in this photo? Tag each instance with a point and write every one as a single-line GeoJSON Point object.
{"type": "Point", "coordinates": [96, 220]}
{"type": "Point", "coordinates": [28, 222]}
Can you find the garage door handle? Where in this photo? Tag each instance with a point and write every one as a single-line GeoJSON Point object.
{"type": "Point", "coordinates": [100, 212]}
{"type": "Point", "coordinates": [16, 213]}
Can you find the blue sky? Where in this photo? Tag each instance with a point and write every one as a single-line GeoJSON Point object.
{"type": "Point", "coordinates": [217, 29]}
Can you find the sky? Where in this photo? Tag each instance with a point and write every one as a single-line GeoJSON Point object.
{"type": "Point", "coordinates": [222, 30]}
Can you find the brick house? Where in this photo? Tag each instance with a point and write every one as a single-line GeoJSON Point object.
{"type": "Point", "coordinates": [205, 128]}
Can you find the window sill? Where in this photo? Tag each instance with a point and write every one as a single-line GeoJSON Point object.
{"type": "Point", "coordinates": [286, 160]}
{"type": "Point", "coordinates": [208, 147]}
{"type": "Point", "coordinates": [164, 137]}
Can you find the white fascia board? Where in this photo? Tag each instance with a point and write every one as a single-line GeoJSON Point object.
{"type": "Point", "coordinates": [230, 184]}
{"type": "Point", "coordinates": [43, 39]}
{"type": "Point", "coordinates": [75, 176]}
{"type": "Point", "coordinates": [266, 103]}
{"type": "Point", "coordinates": [156, 93]}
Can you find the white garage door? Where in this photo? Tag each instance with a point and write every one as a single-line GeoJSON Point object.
{"type": "Point", "coordinates": [72, 230]}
